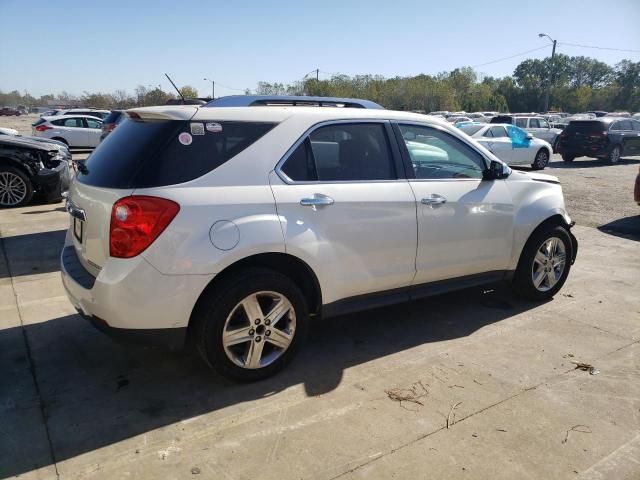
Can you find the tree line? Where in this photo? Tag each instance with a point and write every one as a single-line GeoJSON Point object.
{"type": "Point", "coordinates": [578, 84]}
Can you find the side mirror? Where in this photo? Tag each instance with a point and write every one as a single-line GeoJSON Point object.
{"type": "Point", "coordinates": [529, 136]}
{"type": "Point", "coordinates": [496, 171]}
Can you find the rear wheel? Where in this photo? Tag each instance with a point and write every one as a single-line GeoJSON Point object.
{"type": "Point", "coordinates": [614, 155]}
{"type": "Point", "coordinates": [60, 139]}
{"type": "Point", "coordinates": [567, 158]}
{"type": "Point", "coordinates": [541, 160]}
{"type": "Point", "coordinates": [15, 187]}
{"type": "Point", "coordinates": [251, 328]}
{"type": "Point", "coordinates": [544, 263]}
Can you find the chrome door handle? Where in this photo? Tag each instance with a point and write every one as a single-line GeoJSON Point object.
{"type": "Point", "coordinates": [434, 200]}
{"type": "Point", "coordinates": [318, 200]}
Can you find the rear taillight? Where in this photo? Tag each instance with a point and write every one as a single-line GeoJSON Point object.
{"type": "Point", "coordinates": [43, 128]}
{"type": "Point", "coordinates": [598, 134]}
{"type": "Point", "coordinates": [136, 221]}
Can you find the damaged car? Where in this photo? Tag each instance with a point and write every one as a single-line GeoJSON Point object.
{"type": "Point", "coordinates": [29, 168]}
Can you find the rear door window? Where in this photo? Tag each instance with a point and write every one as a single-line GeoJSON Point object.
{"type": "Point", "coordinates": [144, 154]}
{"type": "Point", "coordinates": [71, 122]}
{"type": "Point", "coordinates": [342, 152]}
{"type": "Point", "coordinates": [521, 122]}
{"type": "Point", "coordinates": [534, 123]}
{"type": "Point", "coordinates": [91, 123]}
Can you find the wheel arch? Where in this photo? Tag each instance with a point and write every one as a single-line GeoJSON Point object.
{"type": "Point", "coordinates": [10, 162]}
{"type": "Point", "coordinates": [289, 265]}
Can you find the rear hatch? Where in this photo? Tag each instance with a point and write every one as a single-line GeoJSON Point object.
{"type": "Point", "coordinates": [584, 135]}
{"type": "Point", "coordinates": [155, 147]}
{"type": "Point", "coordinates": [111, 172]}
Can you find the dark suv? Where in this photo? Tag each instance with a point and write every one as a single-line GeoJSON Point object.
{"type": "Point", "coordinates": [607, 138]}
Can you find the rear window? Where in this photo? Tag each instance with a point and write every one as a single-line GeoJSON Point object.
{"type": "Point", "coordinates": [584, 126]}
{"type": "Point", "coordinates": [112, 117]}
{"type": "Point", "coordinates": [39, 121]}
{"type": "Point", "coordinates": [470, 129]}
{"type": "Point", "coordinates": [143, 154]}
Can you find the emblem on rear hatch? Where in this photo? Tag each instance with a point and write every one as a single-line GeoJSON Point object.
{"type": "Point", "coordinates": [197, 129]}
{"type": "Point", "coordinates": [185, 138]}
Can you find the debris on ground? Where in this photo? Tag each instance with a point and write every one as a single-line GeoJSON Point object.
{"type": "Point", "coordinates": [195, 471]}
{"type": "Point", "coordinates": [567, 295]}
{"type": "Point", "coordinates": [576, 428]}
{"type": "Point", "coordinates": [411, 394]}
{"type": "Point", "coordinates": [451, 421]}
{"type": "Point", "coordinates": [586, 367]}
{"type": "Point", "coordinates": [500, 430]}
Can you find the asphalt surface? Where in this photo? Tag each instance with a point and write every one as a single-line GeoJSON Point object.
{"type": "Point", "coordinates": [473, 384]}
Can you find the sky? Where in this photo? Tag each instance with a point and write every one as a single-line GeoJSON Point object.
{"type": "Point", "coordinates": [102, 46]}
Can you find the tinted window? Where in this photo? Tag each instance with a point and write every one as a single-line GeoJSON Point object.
{"type": "Point", "coordinates": [149, 154]}
{"type": "Point", "coordinates": [521, 122]}
{"type": "Point", "coordinates": [533, 123]}
{"type": "Point", "coordinates": [617, 126]}
{"type": "Point", "coordinates": [342, 152]}
{"type": "Point", "coordinates": [497, 132]}
{"type": "Point", "coordinates": [470, 129]}
{"type": "Point", "coordinates": [585, 127]}
{"type": "Point", "coordinates": [635, 125]}
{"type": "Point", "coordinates": [113, 117]}
{"type": "Point", "coordinates": [73, 122]}
{"type": "Point", "coordinates": [436, 154]}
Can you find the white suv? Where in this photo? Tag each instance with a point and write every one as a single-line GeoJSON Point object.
{"type": "Point", "coordinates": [236, 226]}
{"type": "Point", "coordinates": [76, 131]}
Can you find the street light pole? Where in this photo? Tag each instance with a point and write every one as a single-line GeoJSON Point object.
{"type": "Point", "coordinates": [551, 69]}
{"type": "Point", "coordinates": [213, 88]}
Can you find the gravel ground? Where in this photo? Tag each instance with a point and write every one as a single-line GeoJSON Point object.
{"type": "Point", "coordinates": [596, 194]}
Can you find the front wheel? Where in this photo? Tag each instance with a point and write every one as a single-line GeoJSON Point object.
{"type": "Point", "coordinates": [544, 263]}
{"type": "Point", "coordinates": [541, 160]}
{"type": "Point", "coordinates": [15, 187]}
{"type": "Point", "coordinates": [251, 328]}
{"type": "Point", "coordinates": [567, 158]}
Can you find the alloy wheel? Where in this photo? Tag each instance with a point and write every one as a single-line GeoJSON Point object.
{"type": "Point", "coordinates": [549, 264]}
{"type": "Point", "coordinates": [542, 159]}
{"type": "Point", "coordinates": [13, 189]}
{"type": "Point", "coordinates": [614, 157]}
{"type": "Point", "coordinates": [259, 330]}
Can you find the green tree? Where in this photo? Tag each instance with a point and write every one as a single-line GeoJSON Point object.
{"type": "Point", "coordinates": [189, 92]}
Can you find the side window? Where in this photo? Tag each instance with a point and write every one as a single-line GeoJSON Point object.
{"type": "Point", "coordinates": [498, 132]}
{"type": "Point", "coordinates": [439, 155]}
{"type": "Point", "coordinates": [93, 123]}
{"type": "Point", "coordinates": [636, 125]}
{"type": "Point", "coordinates": [488, 133]}
{"type": "Point", "coordinates": [72, 122]}
{"type": "Point", "coordinates": [616, 126]}
{"type": "Point", "coordinates": [521, 122]}
{"type": "Point", "coordinates": [626, 125]}
{"type": "Point", "coordinates": [534, 123]}
{"type": "Point", "coordinates": [342, 152]}
{"type": "Point", "coordinates": [543, 123]}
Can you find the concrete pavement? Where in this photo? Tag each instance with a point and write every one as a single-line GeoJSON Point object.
{"type": "Point", "coordinates": [75, 405]}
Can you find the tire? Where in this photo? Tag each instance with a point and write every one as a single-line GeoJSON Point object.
{"type": "Point", "coordinates": [556, 142]}
{"type": "Point", "coordinates": [530, 268]}
{"type": "Point", "coordinates": [567, 158]}
{"type": "Point", "coordinates": [614, 155]}
{"type": "Point", "coordinates": [15, 187]}
{"type": "Point", "coordinates": [541, 160]}
{"type": "Point", "coordinates": [221, 310]}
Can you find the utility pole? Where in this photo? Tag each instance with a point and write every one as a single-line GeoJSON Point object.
{"type": "Point", "coordinates": [317, 74]}
{"type": "Point", "coordinates": [213, 88]}
{"type": "Point", "coordinates": [551, 71]}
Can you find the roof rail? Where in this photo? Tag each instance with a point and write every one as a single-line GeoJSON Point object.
{"type": "Point", "coordinates": [292, 101]}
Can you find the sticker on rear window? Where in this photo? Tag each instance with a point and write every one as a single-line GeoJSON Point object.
{"type": "Point", "coordinates": [185, 138]}
{"type": "Point", "coordinates": [213, 127]}
{"type": "Point", "coordinates": [197, 129]}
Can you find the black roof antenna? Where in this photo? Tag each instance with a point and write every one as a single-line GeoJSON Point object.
{"type": "Point", "coordinates": [174, 86]}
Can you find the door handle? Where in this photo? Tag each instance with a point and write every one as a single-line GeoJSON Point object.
{"type": "Point", "coordinates": [434, 199]}
{"type": "Point", "coordinates": [317, 200]}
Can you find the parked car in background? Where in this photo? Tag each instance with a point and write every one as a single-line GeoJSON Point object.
{"type": "Point", "coordinates": [607, 138]}
{"type": "Point", "coordinates": [444, 113]}
{"type": "Point", "coordinates": [636, 116]}
{"type": "Point", "coordinates": [85, 111]}
{"type": "Point", "coordinates": [490, 114]}
{"type": "Point", "coordinates": [598, 113]}
{"type": "Point", "coordinates": [457, 119]}
{"type": "Point", "coordinates": [619, 115]}
{"type": "Point", "coordinates": [535, 125]}
{"type": "Point", "coordinates": [111, 121]}
{"type": "Point", "coordinates": [29, 168]}
{"type": "Point", "coordinates": [9, 112]}
{"type": "Point", "coordinates": [511, 144]}
{"type": "Point", "coordinates": [478, 117]}
{"type": "Point", "coordinates": [77, 131]}
{"type": "Point", "coordinates": [237, 225]}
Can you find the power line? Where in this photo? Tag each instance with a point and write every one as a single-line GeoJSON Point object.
{"type": "Point", "coordinates": [599, 48]}
{"type": "Point", "coordinates": [231, 88]}
{"type": "Point", "coordinates": [512, 56]}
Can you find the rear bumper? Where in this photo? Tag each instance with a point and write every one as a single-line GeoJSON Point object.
{"type": "Point", "coordinates": [585, 151]}
{"type": "Point", "coordinates": [130, 300]}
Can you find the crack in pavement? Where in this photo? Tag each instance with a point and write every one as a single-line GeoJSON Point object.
{"type": "Point", "coordinates": [426, 435]}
